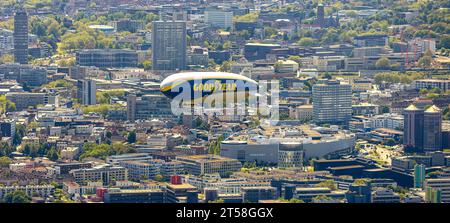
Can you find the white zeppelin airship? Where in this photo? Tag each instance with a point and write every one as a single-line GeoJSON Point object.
{"type": "Point", "coordinates": [205, 83]}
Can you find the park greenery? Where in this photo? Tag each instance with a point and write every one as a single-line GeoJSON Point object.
{"type": "Point", "coordinates": [105, 96]}
{"type": "Point", "coordinates": [397, 77]}
{"type": "Point", "coordinates": [131, 137]}
{"type": "Point", "coordinates": [328, 184]}
{"type": "Point", "coordinates": [214, 146]}
{"type": "Point", "coordinates": [101, 151]}
{"type": "Point", "coordinates": [250, 17]}
{"type": "Point", "coordinates": [17, 196]}
{"type": "Point", "coordinates": [43, 150]}
{"type": "Point", "coordinates": [101, 109]}
{"type": "Point", "coordinates": [6, 105]}
{"type": "Point", "coordinates": [292, 200]}
{"type": "Point", "coordinates": [61, 83]}
{"type": "Point", "coordinates": [5, 161]}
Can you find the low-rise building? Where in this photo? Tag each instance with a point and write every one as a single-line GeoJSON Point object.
{"type": "Point", "coordinates": [442, 185]}
{"type": "Point", "coordinates": [69, 153]}
{"type": "Point", "coordinates": [256, 194]}
{"type": "Point", "coordinates": [134, 196]}
{"type": "Point", "coordinates": [442, 84]}
{"type": "Point", "coordinates": [286, 66]}
{"type": "Point", "coordinates": [23, 100]}
{"type": "Point", "coordinates": [202, 164]}
{"type": "Point", "coordinates": [138, 170]}
{"type": "Point", "coordinates": [383, 195]}
{"type": "Point", "coordinates": [304, 112]}
{"type": "Point", "coordinates": [31, 190]}
{"type": "Point", "coordinates": [307, 194]}
{"type": "Point", "coordinates": [103, 173]}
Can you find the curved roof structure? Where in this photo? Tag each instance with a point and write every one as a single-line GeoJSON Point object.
{"type": "Point", "coordinates": [433, 109]}
{"type": "Point", "coordinates": [412, 107]}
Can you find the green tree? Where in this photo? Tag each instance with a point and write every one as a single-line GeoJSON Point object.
{"type": "Point", "coordinates": [330, 37]}
{"type": "Point", "coordinates": [52, 154]}
{"type": "Point", "coordinates": [226, 65]}
{"type": "Point", "coordinates": [423, 91]}
{"type": "Point", "coordinates": [307, 42]}
{"type": "Point", "coordinates": [121, 148]}
{"type": "Point", "coordinates": [321, 198]}
{"type": "Point", "coordinates": [101, 151]}
{"type": "Point", "coordinates": [382, 63]}
{"type": "Point", "coordinates": [250, 17]}
{"type": "Point", "coordinates": [390, 142]}
{"type": "Point", "coordinates": [59, 84]}
{"type": "Point", "coordinates": [6, 105]}
{"type": "Point", "coordinates": [5, 161]}
{"type": "Point", "coordinates": [159, 178]}
{"type": "Point", "coordinates": [425, 61]}
{"type": "Point", "coordinates": [100, 108]}
{"type": "Point", "coordinates": [26, 150]}
{"type": "Point", "coordinates": [296, 200]}
{"type": "Point", "coordinates": [327, 183]}
{"type": "Point", "coordinates": [7, 58]}
{"type": "Point", "coordinates": [270, 32]}
{"type": "Point", "coordinates": [445, 42]}
{"type": "Point", "coordinates": [147, 65]}
{"type": "Point", "coordinates": [327, 76]}
{"type": "Point", "coordinates": [143, 177]}
{"type": "Point", "coordinates": [17, 197]}
{"type": "Point", "coordinates": [297, 59]}
{"type": "Point", "coordinates": [19, 134]}
{"type": "Point", "coordinates": [6, 149]}
{"type": "Point", "coordinates": [131, 138]}
{"type": "Point", "coordinates": [227, 45]}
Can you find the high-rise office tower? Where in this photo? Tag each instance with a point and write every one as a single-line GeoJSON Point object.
{"type": "Point", "coordinates": [332, 102]}
{"type": "Point", "coordinates": [131, 107]}
{"type": "Point", "coordinates": [169, 45]}
{"type": "Point", "coordinates": [419, 175]}
{"type": "Point", "coordinates": [432, 129]}
{"type": "Point", "coordinates": [413, 127]}
{"type": "Point", "coordinates": [21, 37]}
{"type": "Point", "coordinates": [87, 92]}
{"type": "Point", "coordinates": [219, 18]}
{"type": "Point", "coordinates": [320, 15]}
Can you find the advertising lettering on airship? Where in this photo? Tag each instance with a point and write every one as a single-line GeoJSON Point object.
{"type": "Point", "coordinates": [201, 84]}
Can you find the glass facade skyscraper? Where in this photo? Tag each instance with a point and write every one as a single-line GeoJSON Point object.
{"type": "Point", "coordinates": [432, 131]}
{"type": "Point", "coordinates": [21, 37]}
{"type": "Point", "coordinates": [413, 127]}
{"type": "Point", "coordinates": [422, 129]}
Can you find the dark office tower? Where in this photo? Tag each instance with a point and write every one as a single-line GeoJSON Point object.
{"type": "Point", "coordinates": [432, 129]}
{"type": "Point", "coordinates": [131, 107]}
{"type": "Point", "coordinates": [320, 15]}
{"type": "Point", "coordinates": [169, 45]}
{"type": "Point", "coordinates": [21, 37]}
{"type": "Point", "coordinates": [413, 127]}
